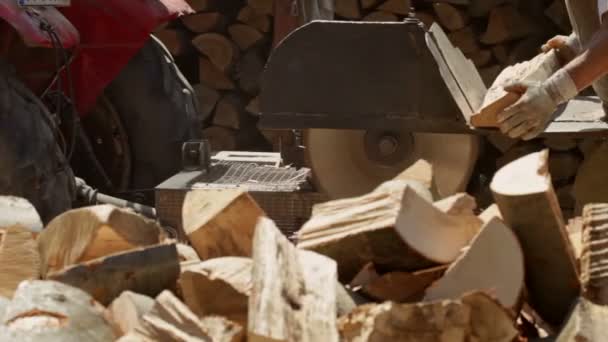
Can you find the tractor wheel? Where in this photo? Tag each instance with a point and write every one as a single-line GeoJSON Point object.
{"type": "Point", "coordinates": [31, 163]}
{"type": "Point", "coordinates": [158, 111]}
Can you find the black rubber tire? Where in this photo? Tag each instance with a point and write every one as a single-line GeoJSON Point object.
{"type": "Point", "coordinates": [32, 165]}
{"type": "Point", "coordinates": [159, 110]}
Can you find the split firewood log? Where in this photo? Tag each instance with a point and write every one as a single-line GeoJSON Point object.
{"type": "Point", "coordinates": [245, 36]}
{"type": "Point", "coordinates": [381, 16]}
{"type": "Point", "coordinates": [575, 235]}
{"type": "Point", "coordinates": [503, 278]}
{"type": "Point", "coordinates": [589, 185]}
{"type": "Point", "coordinates": [465, 39]}
{"type": "Point", "coordinates": [482, 8]}
{"type": "Point", "coordinates": [19, 211]}
{"type": "Point", "coordinates": [218, 287]}
{"type": "Point", "coordinates": [51, 311]}
{"type": "Point", "coordinates": [594, 264]}
{"type": "Point", "coordinates": [262, 6]}
{"type": "Point", "coordinates": [126, 311]}
{"type": "Point", "coordinates": [220, 222]}
{"type": "Point", "coordinates": [451, 17]}
{"type": "Point", "coordinates": [369, 4]}
{"type": "Point", "coordinates": [481, 57]}
{"type": "Point", "coordinates": [213, 77]}
{"type": "Point", "coordinates": [459, 204]}
{"type": "Point", "coordinates": [490, 213]}
{"type": "Point", "coordinates": [587, 322]}
{"type": "Point", "coordinates": [497, 99]}
{"type": "Point", "coordinates": [400, 7]}
{"type": "Point", "coordinates": [19, 258]}
{"type": "Point", "coordinates": [560, 143]}
{"type": "Point", "coordinates": [260, 21]}
{"type": "Point", "coordinates": [391, 228]}
{"type": "Point", "coordinates": [202, 5]}
{"type": "Point", "coordinates": [85, 234]}
{"type": "Point", "coordinates": [501, 53]}
{"type": "Point", "coordinates": [402, 287]}
{"type": "Point", "coordinates": [204, 22]}
{"type": "Point", "coordinates": [489, 74]}
{"type": "Point", "coordinates": [348, 9]}
{"type": "Point", "coordinates": [563, 165]}
{"type": "Point", "coordinates": [230, 112]}
{"type": "Point", "coordinates": [147, 270]}
{"type": "Point", "coordinates": [175, 40]}
{"type": "Point", "coordinates": [558, 13]}
{"type": "Point", "coordinates": [186, 253]}
{"type": "Point", "coordinates": [249, 71]}
{"type": "Point", "coordinates": [207, 99]}
{"type": "Point", "coordinates": [506, 23]}
{"type": "Point", "coordinates": [474, 317]}
{"type": "Point", "coordinates": [221, 138]}
{"type": "Point", "coordinates": [524, 193]}
{"type": "Point", "coordinates": [171, 320]}
{"type": "Point", "coordinates": [221, 51]}
{"type": "Point", "coordinates": [293, 297]}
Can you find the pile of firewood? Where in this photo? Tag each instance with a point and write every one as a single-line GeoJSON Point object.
{"type": "Point", "coordinates": [223, 47]}
{"type": "Point", "coordinates": [392, 265]}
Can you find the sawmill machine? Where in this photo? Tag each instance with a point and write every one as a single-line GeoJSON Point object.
{"type": "Point", "coordinates": [370, 98]}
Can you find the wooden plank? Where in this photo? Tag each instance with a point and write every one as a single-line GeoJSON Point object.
{"type": "Point", "coordinates": [19, 258]}
{"type": "Point", "coordinates": [524, 193]}
{"type": "Point", "coordinates": [125, 312]}
{"type": "Point", "coordinates": [292, 298]}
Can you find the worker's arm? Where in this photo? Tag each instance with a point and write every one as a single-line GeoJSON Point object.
{"type": "Point", "coordinates": [532, 113]}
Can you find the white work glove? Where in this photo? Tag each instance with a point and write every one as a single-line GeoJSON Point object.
{"type": "Point", "coordinates": [531, 114]}
{"type": "Point", "coordinates": [567, 47]}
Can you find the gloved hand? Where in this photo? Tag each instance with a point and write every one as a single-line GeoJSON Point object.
{"type": "Point", "coordinates": [531, 114]}
{"type": "Point", "coordinates": [567, 47]}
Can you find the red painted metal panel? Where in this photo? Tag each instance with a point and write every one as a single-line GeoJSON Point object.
{"type": "Point", "coordinates": [26, 21]}
{"type": "Point", "coordinates": [112, 31]}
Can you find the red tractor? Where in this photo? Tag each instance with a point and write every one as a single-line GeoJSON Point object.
{"type": "Point", "coordinates": [83, 85]}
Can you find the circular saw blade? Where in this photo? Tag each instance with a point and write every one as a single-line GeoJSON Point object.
{"type": "Point", "coordinates": [342, 166]}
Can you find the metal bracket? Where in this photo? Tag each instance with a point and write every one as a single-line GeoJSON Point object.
{"type": "Point", "coordinates": [196, 155]}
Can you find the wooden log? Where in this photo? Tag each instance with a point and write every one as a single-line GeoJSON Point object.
{"type": "Point", "coordinates": [517, 151]}
{"type": "Point", "coordinates": [589, 185]}
{"type": "Point", "coordinates": [503, 278]}
{"type": "Point", "coordinates": [369, 4]}
{"type": "Point", "coordinates": [594, 264]}
{"type": "Point", "coordinates": [253, 107]}
{"type": "Point", "coordinates": [171, 320]}
{"type": "Point", "coordinates": [387, 227]}
{"type": "Point", "coordinates": [451, 17]}
{"type": "Point", "coordinates": [85, 234]}
{"type": "Point", "coordinates": [221, 139]}
{"type": "Point", "coordinates": [348, 9]}
{"type": "Point", "coordinates": [490, 213]}
{"type": "Point", "coordinates": [245, 36]}
{"type": "Point", "coordinates": [202, 5]}
{"type": "Point", "coordinates": [575, 235]}
{"type": "Point", "coordinates": [558, 13]}
{"type": "Point", "coordinates": [174, 39]}
{"type": "Point", "coordinates": [465, 39]}
{"type": "Point", "coordinates": [480, 58]}
{"type": "Point", "coordinates": [560, 143]}
{"type": "Point", "coordinates": [186, 253]}
{"type": "Point", "coordinates": [497, 99]}
{"type": "Point", "coordinates": [587, 322]}
{"type": "Point", "coordinates": [19, 258]}
{"type": "Point", "coordinates": [501, 53]}
{"type": "Point", "coordinates": [262, 6]}
{"type": "Point", "coordinates": [525, 49]}
{"type": "Point", "coordinates": [475, 317]}
{"type": "Point", "coordinates": [19, 211]}
{"type": "Point", "coordinates": [50, 311]}
{"type": "Point", "coordinates": [204, 22]}
{"type": "Point", "coordinates": [427, 18]}
{"type": "Point", "coordinates": [250, 17]}
{"type": "Point", "coordinates": [207, 99]}
{"type": "Point", "coordinates": [400, 7]}
{"type": "Point", "coordinates": [220, 50]}
{"type": "Point", "coordinates": [489, 75]}
{"type": "Point", "coordinates": [148, 271]}
{"type": "Point", "coordinates": [381, 16]}
{"type": "Point", "coordinates": [505, 24]}
{"type": "Point", "coordinates": [249, 71]}
{"type": "Point", "coordinates": [213, 77]}
{"type": "Point", "coordinates": [402, 287]}
{"type": "Point", "coordinates": [459, 204]}
{"type": "Point", "coordinates": [525, 196]}
{"type": "Point", "coordinates": [218, 287]}
{"type": "Point", "coordinates": [125, 312]}
{"type": "Point", "coordinates": [563, 165]}
{"type": "Point", "coordinates": [230, 112]}
{"type": "Point", "coordinates": [220, 222]}
{"type": "Point", "coordinates": [290, 298]}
